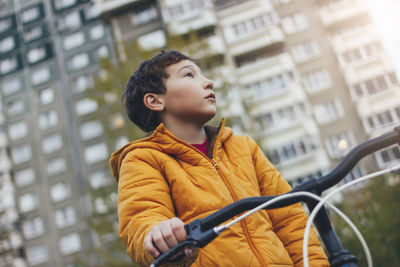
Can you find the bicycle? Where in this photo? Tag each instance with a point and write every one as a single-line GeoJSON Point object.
{"type": "Point", "coordinates": [200, 232]}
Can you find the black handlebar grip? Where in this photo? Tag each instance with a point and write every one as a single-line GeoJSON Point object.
{"type": "Point", "coordinates": [167, 255]}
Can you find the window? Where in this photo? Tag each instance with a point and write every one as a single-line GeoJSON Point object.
{"type": "Point", "coordinates": [9, 65]}
{"type": "Point", "coordinates": [37, 254]}
{"type": "Point", "coordinates": [73, 40]}
{"type": "Point", "coordinates": [144, 16]}
{"type": "Point", "coordinates": [269, 87]}
{"type": "Point", "coordinates": [374, 85]}
{"type": "Point", "coordinates": [7, 44]}
{"type": "Point", "coordinates": [388, 156]}
{"type": "Point", "coordinates": [91, 129]}
{"type": "Point", "coordinates": [293, 150]}
{"type": "Point", "coordinates": [85, 106]}
{"type": "Point", "coordinates": [46, 96]}
{"type": "Point", "coordinates": [97, 32]}
{"type": "Point", "coordinates": [78, 61]}
{"type": "Point", "coordinates": [56, 166]}
{"type": "Point", "coordinates": [33, 228]}
{"type": "Point", "coordinates": [65, 217]}
{"type": "Point", "coordinates": [6, 24]}
{"type": "Point", "coordinates": [33, 34]}
{"type": "Point", "coordinates": [60, 191]}
{"type": "Point", "coordinates": [52, 143]}
{"type": "Point", "coordinates": [338, 145]}
{"type": "Point", "coordinates": [383, 119]}
{"type": "Point", "coordinates": [117, 121]}
{"type": "Point", "coordinates": [69, 21]}
{"type": "Point", "coordinates": [61, 4]}
{"type": "Point", "coordinates": [31, 14]}
{"type": "Point", "coordinates": [317, 80]}
{"type": "Point", "coordinates": [15, 107]}
{"type": "Point", "coordinates": [96, 153]}
{"type": "Point", "coordinates": [223, 4]}
{"type": "Point", "coordinates": [24, 177]}
{"type": "Point", "coordinates": [40, 76]}
{"type": "Point", "coordinates": [37, 54]}
{"type": "Point", "coordinates": [152, 40]}
{"type": "Point", "coordinates": [328, 111]}
{"type": "Point", "coordinates": [28, 202]}
{"type": "Point", "coordinates": [100, 205]}
{"type": "Point", "coordinates": [70, 243]}
{"type": "Point", "coordinates": [81, 83]}
{"type": "Point", "coordinates": [17, 130]}
{"type": "Point", "coordinates": [90, 13]}
{"type": "Point", "coordinates": [11, 86]}
{"type": "Point", "coordinates": [249, 26]}
{"type": "Point", "coordinates": [282, 117]}
{"type": "Point", "coordinates": [48, 119]}
{"type": "Point", "coordinates": [305, 51]}
{"type": "Point", "coordinates": [98, 179]}
{"type": "Point", "coordinates": [102, 51]}
{"type": "Point", "coordinates": [185, 10]}
{"type": "Point", "coordinates": [294, 23]}
{"type": "Point", "coordinates": [362, 52]}
{"type": "Point", "coordinates": [21, 153]}
{"type": "Point", "coordinates": [121, 141]}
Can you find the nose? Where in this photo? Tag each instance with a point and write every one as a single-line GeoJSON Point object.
{"type": "Point", "coordinates": [208, 84]}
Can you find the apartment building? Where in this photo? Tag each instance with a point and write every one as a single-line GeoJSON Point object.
{"type": "Point", "coordinates": [11, 242]}
{"type": "Point", "coordinates": [284, 59]}
{"type": "Point", "coordinates": [367, 70]}
{"type": "Point", "coordinates": [49, 51]}
{"type": "Point", "coordinates": [308, 77]}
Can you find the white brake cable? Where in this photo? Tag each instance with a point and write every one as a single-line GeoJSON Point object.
{"type": "Point", "coordinates": [330, 195]}
{"type": "Point", "coordinates": [219, 229]}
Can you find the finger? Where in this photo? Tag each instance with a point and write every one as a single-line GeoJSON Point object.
{"type": "Point", "coordinates": [149, 246]}
{"type": "Point", "coordinates": [168, 233]}
{"type": "Point", "coordinates": [188, 252]}
{"type": "Point", "coordinates": [178, 227]}
{"type": "Point", "coordinates": [158, 240]}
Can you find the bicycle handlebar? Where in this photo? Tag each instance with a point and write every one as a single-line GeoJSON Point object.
{"type": "Point", "coordinates": [201, 231]}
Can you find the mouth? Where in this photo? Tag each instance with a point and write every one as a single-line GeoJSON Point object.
{"type": "Point", "coordinates": [211, 96]}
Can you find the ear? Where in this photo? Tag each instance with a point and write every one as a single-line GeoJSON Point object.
{"type": "Point", "coordinates": [154, 102]}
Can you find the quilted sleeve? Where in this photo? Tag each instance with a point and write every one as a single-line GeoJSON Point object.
{"type": "Point", "coordinates": [143, 202]}
{"type": "Point", "coordinates": [289, 222]}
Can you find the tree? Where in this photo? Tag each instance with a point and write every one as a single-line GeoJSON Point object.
{"type": "Point", "coordinates": [374, 209]}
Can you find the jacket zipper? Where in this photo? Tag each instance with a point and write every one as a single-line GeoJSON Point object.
{"type": "Point", "coordinates": [242, 222]}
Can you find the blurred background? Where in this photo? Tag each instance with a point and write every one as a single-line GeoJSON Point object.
{"type": "Point", "coordinates": [307, 79]}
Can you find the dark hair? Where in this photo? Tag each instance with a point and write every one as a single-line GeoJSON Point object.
{"type": "Point", "coordinates": [148, 78]}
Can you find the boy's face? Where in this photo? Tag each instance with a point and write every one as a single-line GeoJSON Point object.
{"type": "Point", "coordinates": [189, 95]}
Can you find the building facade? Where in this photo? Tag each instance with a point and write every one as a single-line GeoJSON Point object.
{"type": "Point", "coordinates": [294, 68]}
{"type": "Point", "coordinates": [309, 78]}
{"type": "Point", "coordinates": [49, 52]}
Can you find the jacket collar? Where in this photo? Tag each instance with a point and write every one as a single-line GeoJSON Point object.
{"type": "Point", "coordinates": [164, 141]}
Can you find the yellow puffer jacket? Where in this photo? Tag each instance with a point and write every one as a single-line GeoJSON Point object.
{"type": "Point", "coordinates": [160, 177]}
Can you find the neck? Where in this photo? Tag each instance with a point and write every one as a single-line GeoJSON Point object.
{"type": "Point", "coordinates": [191, 133]}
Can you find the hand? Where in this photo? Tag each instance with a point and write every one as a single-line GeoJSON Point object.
{"type": "Point", "coordinates": [165, 236]}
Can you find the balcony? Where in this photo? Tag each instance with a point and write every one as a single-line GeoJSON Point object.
{"type": "Point", "coordinates": [106, 7]}
{"type": "Point", "coordinates": [343, 11]}
{"type": "Point", "coordinates": [263, 62]}
{"type": "Point", "coordinates": [271, 38]}
{"type": "Point", "coordinates": [195, 21]}
{"type": "Point", "coordinates": [360, 34]}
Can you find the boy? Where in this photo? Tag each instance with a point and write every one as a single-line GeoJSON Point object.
{"type": "Point", "coordinates": [185, 170]}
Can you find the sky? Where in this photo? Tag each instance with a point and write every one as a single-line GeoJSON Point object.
{"type": "Point", "coordinates": [386, 14]}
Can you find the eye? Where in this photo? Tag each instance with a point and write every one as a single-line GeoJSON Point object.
{"type": "Point", "coordinates": [189, 74]}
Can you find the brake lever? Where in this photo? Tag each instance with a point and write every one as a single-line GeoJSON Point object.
{"type": "Point", "coordinates": [196, 237]}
